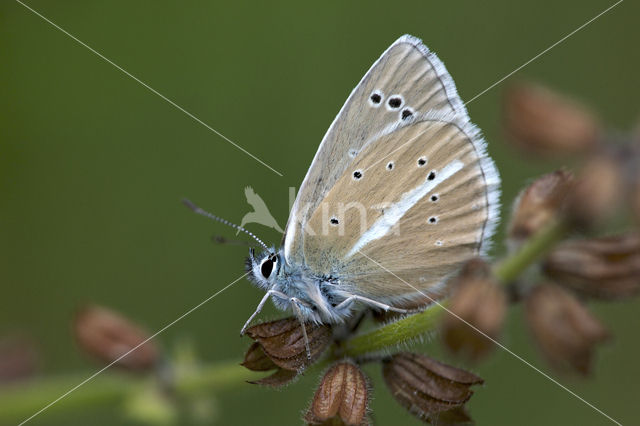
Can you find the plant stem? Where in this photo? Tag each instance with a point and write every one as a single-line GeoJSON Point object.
{"type": "Point", "coordinates": [392, 334]}
{"type": "Point", "coordinates": [419, 324]}
{"type": "Point", "coordinates": [537, 246]}
{"type": "Point", "coordinates": [21, 400]}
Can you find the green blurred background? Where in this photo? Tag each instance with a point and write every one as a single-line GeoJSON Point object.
{"type": "Point", "coordinates": [93, 167]}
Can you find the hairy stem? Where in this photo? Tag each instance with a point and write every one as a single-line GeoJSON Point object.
{"type": "Point", "coordinates": [19, 401]}
{"type": "Point", "coordinates": [394, 333]}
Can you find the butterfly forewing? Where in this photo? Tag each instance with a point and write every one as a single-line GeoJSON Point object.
{"type": "Point", "coordinates": [405, 82]}
{"type": "Point", "coordinates": [419, 200]}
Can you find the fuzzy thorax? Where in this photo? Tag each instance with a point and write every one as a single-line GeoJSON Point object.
{"type": "Point", "coordinates": [318, 298]}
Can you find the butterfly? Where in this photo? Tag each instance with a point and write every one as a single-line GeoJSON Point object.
{"type": "Point", "coordinates": [400, 193]}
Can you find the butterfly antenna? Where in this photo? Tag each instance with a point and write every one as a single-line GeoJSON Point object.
{"type": "Point", "coordinates": [219, 239]}
{"type": "Point", "coordinates": [205, 213]}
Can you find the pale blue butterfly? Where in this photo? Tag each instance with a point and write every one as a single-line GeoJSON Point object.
{"type": "Point", "coordinates": [400, 191]}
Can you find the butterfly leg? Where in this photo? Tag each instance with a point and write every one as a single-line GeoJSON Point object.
{"type": "Point", "coordinates": [260, 306]}
{"type": "Point", "coordinates": [296, 309]}
{"type": "Point", "coordinates": [370, 302]}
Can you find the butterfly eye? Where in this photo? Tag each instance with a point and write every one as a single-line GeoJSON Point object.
{"type": "Point", "coordinates": [266, 268]}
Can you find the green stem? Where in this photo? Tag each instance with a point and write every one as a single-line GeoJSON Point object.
{"type": "Point", "coordinates": [411, 327]}
{"type": "Point", "coordinates": [536, 247]}
{"type": "Point", "coordinates": [21, 400]}
{"type": "Point", "coordinates": [392, 334]}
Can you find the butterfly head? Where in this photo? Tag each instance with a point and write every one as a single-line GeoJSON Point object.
{"type": "Point", "coordinates": [263, 268]}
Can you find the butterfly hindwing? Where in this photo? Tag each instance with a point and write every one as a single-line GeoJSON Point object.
{"type": "Point", "coordinates": [408, 80]}
{"type": "Point", "coordinates": [419, 200]}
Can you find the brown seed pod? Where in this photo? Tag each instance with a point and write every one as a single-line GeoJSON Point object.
{"type": "Point", "coordinates": [545, 123]}
{"type": "Point", "coordinates": [278, 379]}
{"type": "Point", "coordinates": [341, 398]}
{"type": "Point", "coordinates": [479, 301]}
{"type": "Point", "coordinates": [282, 341]}
{"type": "Point", "coordinates": [538, 205]}
{"type": "Point", "coordinates": [605, 268]}
{"type": "Point", "coordinates": [256, 360]}
{"type": "Point", "coordinates": [564, 329]}
{"type": "Point", "coordinates": [596, 192]}
{"type": "Point", "coordinates": [107, 336]}
{"type": "Point", "coordinates": [427, 388]}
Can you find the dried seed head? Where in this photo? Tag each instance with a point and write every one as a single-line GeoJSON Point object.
{"type": "Point", "coordinates": [564, 329]}
{"type": "Point", "coordinates": [606, 268]}
{"type": "Point", "coordinates": [282, 341]}
{"type": "Point", "coordinates": [596, 192]}
{"type": "Point", "coordinates": [546, 123]}
{"type": "Point", "coordinates": [427, 388]}
{"type": "Point", "coordinates": [341, 398]}
{"type": "Point", "coordinates": [478, 300]}
{"type": "Point", "coordinates": [256, 360]}
{"type": "Point", "coordinates": [280, 378]}
{"type": "Point", "coordinates": [538, 205]}
{"type": "Point", "coordinates": [107, 335]}
{"type": "Point", "coordinates": [454, 417]}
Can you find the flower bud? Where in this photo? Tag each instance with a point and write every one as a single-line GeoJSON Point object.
{"type": "Point", "coordinates": [596, 192]}
{"type": "Point", "coordinates": [478, 300]}
{"type": "Point", "coordinates": [427, 388]}
{"type": "Point", "coordinates": [341, 398]}
{"type": "Point", "coordinates": [605, 268]}
{"type": "Point", "coordinates": [546, 123]}
{"type": "Point", "coordinates": [283, 342]}
{"type": "Point", "coordinates": [538, 205]}
{"type": "Point", "coordinates": [564, 329]}
{"type": "Point", "coordinates": [107, 336]}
